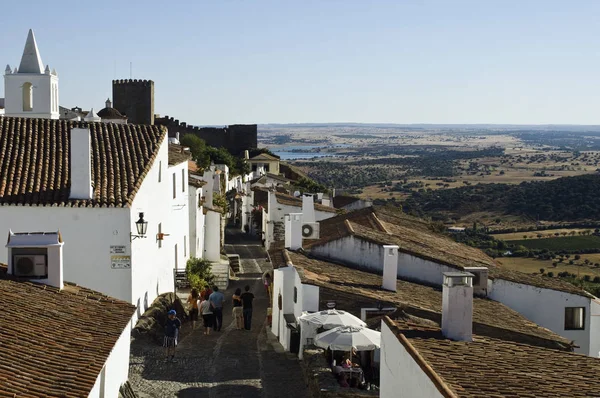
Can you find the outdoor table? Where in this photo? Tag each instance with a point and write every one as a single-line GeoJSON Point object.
{"type": "Point", "coordinates": [354, 372]}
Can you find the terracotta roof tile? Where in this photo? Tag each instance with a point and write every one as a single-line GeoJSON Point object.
{"type": "Point", "coordinates": [54, 343]}
{"type": "Point", "coordinates": [196, 182]}
{"type": "Point", "coordinates": [412, 235]}
{"type": "Point", "coordinates": [489, 367]}
{"type": "Point", "coordinates": [264, 156]}
{"type": "Point", "coordinates": [290, 200]}
{"type": "Point", "coordinates": [110, 113]}
{"type": "Point", "coordinates": [490, 317]}
{"type": "Point", "coordinates": [342, 200]}
{"type": "Point", "coordinates": [177, 154]}
{"type": "Point", "coordinates": [34, 161]}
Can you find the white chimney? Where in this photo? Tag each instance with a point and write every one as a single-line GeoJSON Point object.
{"type": "Point", "coordinates": [308, 208]}
{"type": "Point", "coordinates": [293, 230]}
{"type": "Point", "coordinates": [288, 231]}
{"type": "Point", "coordinates": [457, 306]}
{"type": "Point", "coordinates": [246, 154]}
{"type": "Point", "coordinates": [390, 267]}
{"type": "Point", "coordinates": [81, 164]}
{"type": "Point", "coordinates": [37, 256]}
{"type": "Point", "coordinates": [208, 189]}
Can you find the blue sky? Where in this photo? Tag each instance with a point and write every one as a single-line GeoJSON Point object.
{"type": "Point", "coordinates": [279, 61]}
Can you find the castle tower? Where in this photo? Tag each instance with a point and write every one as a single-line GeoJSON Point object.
{"type": "Point", "coordinates": [134, 99]}
{"type": "Point", "coordinates": [31, 90]}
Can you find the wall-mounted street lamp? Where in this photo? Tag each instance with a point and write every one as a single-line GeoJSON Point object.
{"type": "Point", "coordinates": [142, 226]}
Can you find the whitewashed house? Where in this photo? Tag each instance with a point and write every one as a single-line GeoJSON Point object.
{"type": "Point", "coordinates": [45, 318]}
{"type": "Point", "coordinates": [422, 361]}
{"type": "Point", "coordinates": [278, 205]}
{"type": "Point", "coordinates": [196, 213]}
{"type": "Point", "coordinates": [358, 239]}
{"type": "Point", "coordinates": [110, 190]}
{"type": "Point", "coordinates": [292, 295]}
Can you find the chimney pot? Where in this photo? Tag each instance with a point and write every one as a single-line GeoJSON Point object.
{"type": "Point", "coordinates": [390, 267]}
{"type": "Point", "coordinates": [457, 306]}
{"type": "Point", "coordinates": [81, 164]}
{"type": "Point", "coordinates": [308, 209]}
{"type": "Point", "coordinates": [293, 231]}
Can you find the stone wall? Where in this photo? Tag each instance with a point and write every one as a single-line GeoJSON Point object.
{"type": "Point", "coordinates": [236, 138]}
{"type": "Point", "coordinates": [151, 323]}
{"type": "Point", "coordinates": [135, 99]}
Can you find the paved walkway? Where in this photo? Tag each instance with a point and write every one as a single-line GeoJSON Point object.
{"type": "Point", "coordinates": [230, 363]}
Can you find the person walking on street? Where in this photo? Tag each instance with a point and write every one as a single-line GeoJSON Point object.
{"type": "Point", "coordinates": [172, 327]}
{"type": "Point", "coordinates": [268, 281]}
{"type": "Point", "coordinates": [207, 315]}
{"type": "Point", "coordinates": [247, 298]}
{"type": "Point", "coordinates": [237, 309]}
{"type": "Point", "coordinates": [193, 302]}
{"type": "Point", "coordinates": [216, 301]}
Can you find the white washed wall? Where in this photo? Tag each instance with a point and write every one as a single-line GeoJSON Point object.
{"type": "Point", "coordinates": [400, 375]}
{"type": "Point", "coordinates": [116, 369]}
{"type": "Point", "coordinates": [153, 263]}
{"type": "Point", "coordinates": [88, 234]}
{"type": "Point", "coordinates": [212, 236]}
{"type": "Point", "coordinates": [179, 221]}
{"type": "Point", "coordinates": [595, 329]}
{"type": "Point", "coordinates": [545, 307]}
{"type": "Point", "coordinates": [353, 251]}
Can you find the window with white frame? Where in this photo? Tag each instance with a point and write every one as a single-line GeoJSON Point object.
{"type": "Point", "coordinates": [574, 318]}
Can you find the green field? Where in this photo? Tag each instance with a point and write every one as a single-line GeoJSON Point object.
{"type": "Point", "coordinates": [562, 243]}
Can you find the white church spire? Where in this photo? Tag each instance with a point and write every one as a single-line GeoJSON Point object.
{"type": "Point", "coordinates": [31, 62]}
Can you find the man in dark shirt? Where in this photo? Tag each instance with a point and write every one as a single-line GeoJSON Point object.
{"type": "Point", "coordinates": [247, 298]}
{"type": "Point", "coordinates": [172, 327]}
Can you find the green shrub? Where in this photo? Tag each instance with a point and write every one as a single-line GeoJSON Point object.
{"type": "Point", "coordinates": [199, 273]}
{"type": "Point", "coordinates": [550, 274]}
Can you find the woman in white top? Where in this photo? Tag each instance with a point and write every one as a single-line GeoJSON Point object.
{"type": "Point", "coordinates": [207, 315]}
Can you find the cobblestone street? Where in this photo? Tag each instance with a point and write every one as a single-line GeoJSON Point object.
{"type": "Point", "coordinates": [229, 363]}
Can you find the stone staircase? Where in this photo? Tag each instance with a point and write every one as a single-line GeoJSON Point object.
{"type": "Point", "coordinates": [234, 262]}
{"type": "Point", "coordinates": [278, 231]}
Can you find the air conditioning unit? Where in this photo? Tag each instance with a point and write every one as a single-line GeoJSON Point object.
{"type": "Point", "coordinates": [30, 265]}
{"type": "Point", "coordinates": [310, 230]}
{"type": "Point", "coordinates": [480, 279]}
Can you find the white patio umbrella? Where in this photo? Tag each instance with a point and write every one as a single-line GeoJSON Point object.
{"type": "Point", "coordinates": [345, 338]}
{"type": "Point", "coordinates": [329, 319]}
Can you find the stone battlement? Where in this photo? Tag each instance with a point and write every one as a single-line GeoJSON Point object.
{"type": "Point", "coordinates": [133, 81]}
{"type": "Point", "coordinates": [235, 138]}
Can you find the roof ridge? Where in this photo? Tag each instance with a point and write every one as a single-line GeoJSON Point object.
{"type": "Point", "coordinates": [436, 379]}
{"type": "Point", "coordinates": [286, 257]}
{"type": "Point", "coordinates": [380, 224]}
{"type": "Point", "coordinates": [349, 226]}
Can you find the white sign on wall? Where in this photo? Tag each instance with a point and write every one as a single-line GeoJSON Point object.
{"type": "Point", "coordinates": [120, 262]}
{"type": "Point", "coordinates": [117, 249]}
